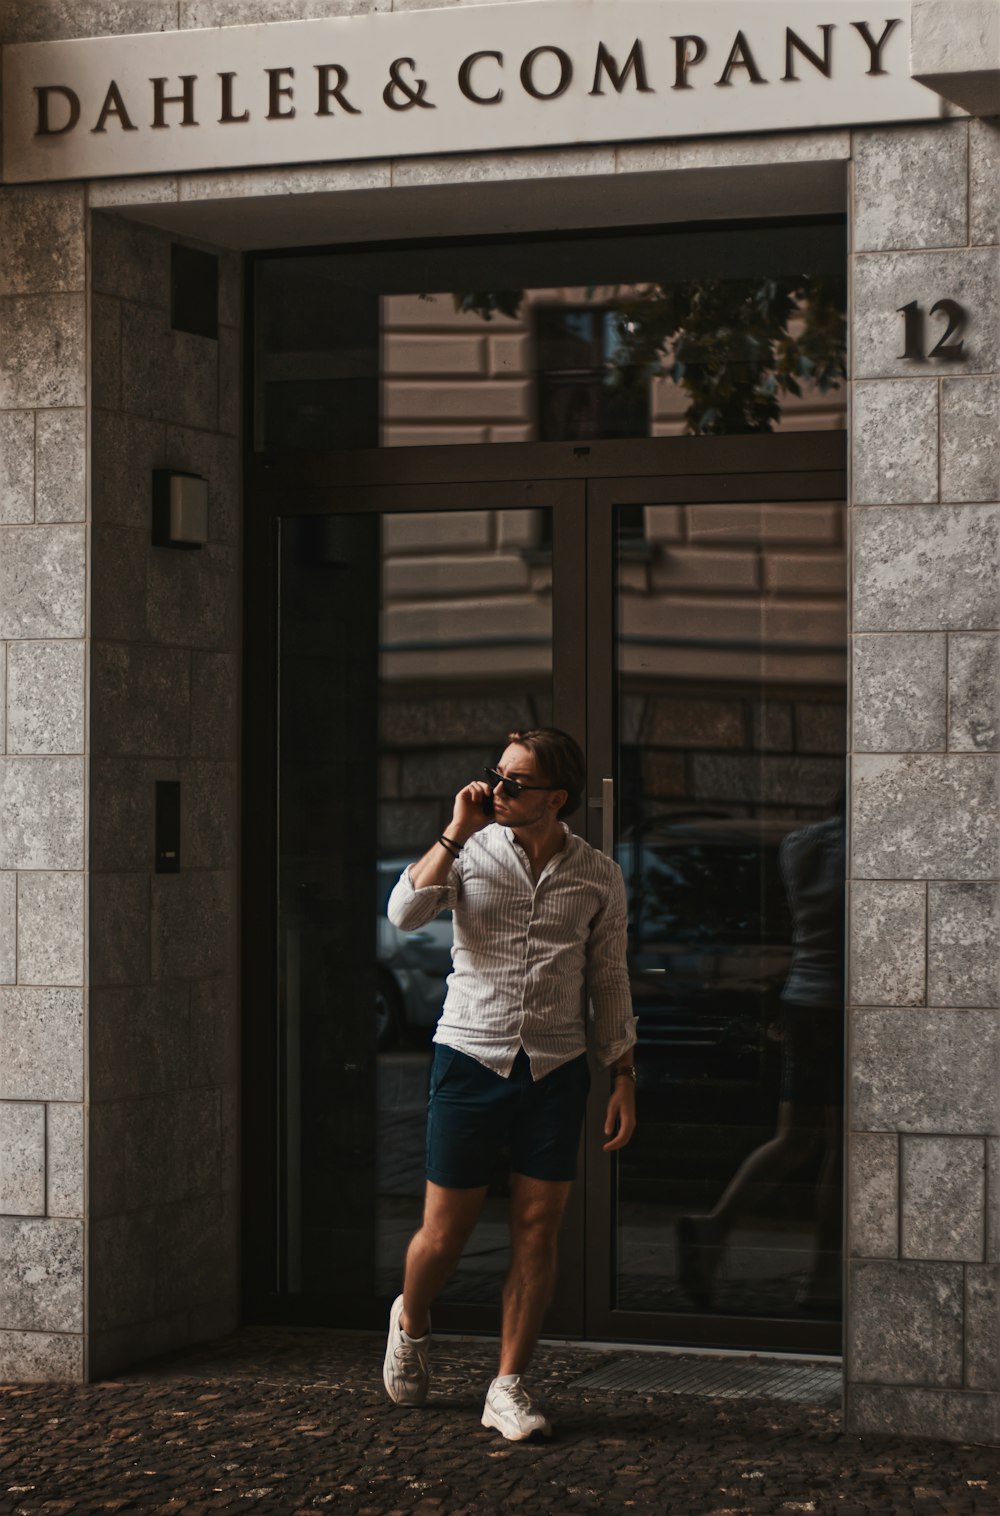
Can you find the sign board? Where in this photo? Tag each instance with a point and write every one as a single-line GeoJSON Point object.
{"type": "Point", "coordinates": [477, 78]}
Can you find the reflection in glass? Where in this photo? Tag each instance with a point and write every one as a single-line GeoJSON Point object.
{"type": "Point", "coordinates": [410, 645]}
{"type": "Point", "coordinates": [731, 720]}
{"type": "Point", "coordinates": [728, 330]}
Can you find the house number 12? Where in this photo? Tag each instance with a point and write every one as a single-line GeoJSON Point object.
{"type": "Point", "coordinates": [946, 350]}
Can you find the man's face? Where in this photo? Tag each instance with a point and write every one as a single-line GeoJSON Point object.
{"type": "Point", "coordinates": [532, 805]}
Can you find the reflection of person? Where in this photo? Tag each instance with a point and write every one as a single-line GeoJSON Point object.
{"type": "Point", "coordinates": [534, 908]}
{"type": "Point", "coordinates": [812, 864]}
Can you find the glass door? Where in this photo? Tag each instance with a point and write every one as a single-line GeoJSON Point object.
{"type": "Point", "coordinates": [413, 629]}
{"type": "Point", "coordinates": [718, 705]}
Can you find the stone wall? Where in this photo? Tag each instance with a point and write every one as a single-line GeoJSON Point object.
{"type": "Point", "coordinates": [164, 706]}
{"type": "Point", "coordinates": [923, 1320]}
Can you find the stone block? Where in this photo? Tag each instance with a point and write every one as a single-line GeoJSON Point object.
{"type": "Point", "coordinates": [140, 699]}
{"type": "Point", "coordinates": [42, 239]}
{"type": "Point", "coordinates": [118, 560]}
{"type": "Point", "coordinates": [970, 439]}
{"type": "Point", "coordinates": [439, 578]}
{"type": "Point", "coordinates": [106, 352]}
{"type": "Point", "coordinates": [697, 569]}
{"type": "Point", "coordinates": [904, 1323]}
{"type": "Point", "coordinates": [806, 522]}
{"type": "Point", "coordinates": [214, 705]}
{"type": "Point", "coordinates": [885, 282]}
{"type": "Point", "coordinates": [230, 382]}
{"type": "Point", "coordinates": [120, 1348]}
{"type": "Point", "coordinates": [777, 779]}
{"type": "Point", "coordinates": [42, 581]}
{"type": "Point", "coordinates": [193, 598]}
{"type": "Point", "coordinates": [951, 1414]}
{"type": "Point", "coordinates": [771, 726]}
{"type": "Point", "coordinates": [61, 466]}
{"type": "Point", "coordinates": [927, 568]}
{"type": "Point", "coordinates": [992, 1200]}
{"type": "Point", "coordinates": [896, 442]}
{"type": "Point", "coordinates": [401, 825]}
{"type": "Point", "coordinates": [963, 944]}
{"type": "Point", "coordinates": [805, 573]}
{"type": "Point", "coordinates": [27, 21]}
{"type": "Point", "coordinates": [42, 351]}
{"type": "Point", "coordinates": [168, 375]}
{"type": "Point", "coordinates": [22, 1158]}
{"type": "Point", "coordinates": [155, 189]}
{"type": "Point", "coordinates": [307, 179]}
{"type": "Point", "coordinates": [50, 928]}
{"type": "Point", "coordinates": [925, 1071]}
{"type": "Point", "coordinates": [476, 168]}
{"type": "Point", "coordinates": [900, 692]}
{"type": "Point", "coordinates": [41, 813]}
{"type": "Point", "coordinates": [663, 523]}
{"type": "Point", "coordinates": [663, 774]}
{"type": "Point", "coordinates": [8, 928]}
{"type": "Point", "coordinates": [122, 799]}
{"type": "Point", "coordinates": [231, 1131]}
{"type": "Point", "coordinates": [442, 721]}
{"type": "Point", "coordinates": [217, 459]}
{"type": "Point", "coordinates": [974, 693]}
{"type": "Point", "coordinates": [821, 727]}
{"type": "Point", "coordinates": [126, 451]}
{"type": "Point", "coordinates": [248, 12]}
{"type": "Point", "coordinates": [209, 815]}
{"type": "Point", "coordinates": [139, 1041]}
{"type": "Point", "coordinates": [41, 1275]}
{"type": "Point", "coordinates": [197, 1252]}
{"type": "Point", "coordinates": [436, 531]}
{"type": "Point", "coordinates": [193, 925]}
{"type": "Point", "coordinates": [41, 1044]}
{"type": "Point", "coordinates": [109, 1157]}
{"type": "Point", "coordinates": [982, 1327]}
{"type": "Point", "coordinates": [694, 723]}
{"type": "Point", "coordinates": [214, 1043]}
{"type": "Point", "coordinates": [119, 929]}
{"type": "Point", "coordinates": [17, 467]}
{"type": "Point", "coordinates": [3, 697]}
{"type": "Point", "coordinates": [41, 1358]}
{"type": "Point", "coordinates": [231, 290]}
{"type": "Point", "coordinates": [888, 943]}
{"type": "Point", "coordinates": [441, 773]}
{"type": "Point", "coordinates": [943, 1198]}
{"type": "Point", "coordinates": [924, 816]}
{"type": "Point", "coordinates": [45, 697]}
{"type": "Point", "coordinates": [122, 1269]}
{"type": "Point", "coordinates": [65, 1159]}
{"type": "Point", "coordinates": [130, 261]}
{"type": "Point", "coordinates": [984, 182]}
{"type": "Point", "coordinates": [887, 164]}
{"type": "Point", "coordinates": [873, 1195]}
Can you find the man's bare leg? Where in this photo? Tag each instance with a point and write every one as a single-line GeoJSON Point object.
{"type": "Point", "coordinates": [434, 1251]}
{"type": "Point", "coordinates": [536, 1212]}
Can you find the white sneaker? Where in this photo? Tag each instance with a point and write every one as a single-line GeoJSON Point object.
{"type": "Point", "coordinates": [510, 1409]}
{"type": "Point", "coordinates": [404, 1372]}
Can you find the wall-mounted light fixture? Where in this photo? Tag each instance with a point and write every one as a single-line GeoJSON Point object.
{"type": "Point", "coordinates": [180, 509]}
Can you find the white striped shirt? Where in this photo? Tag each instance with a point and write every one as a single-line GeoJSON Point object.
{"type": "Point", "coordinates": [521, 949]}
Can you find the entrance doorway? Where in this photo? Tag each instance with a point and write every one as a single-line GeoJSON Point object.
{"type": "Point", "coordinates": [678, 605]}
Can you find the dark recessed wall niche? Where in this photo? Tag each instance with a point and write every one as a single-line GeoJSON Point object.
{"type": "Point", "coordinates": [194, 291]}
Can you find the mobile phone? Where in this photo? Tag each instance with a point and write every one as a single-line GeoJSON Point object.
{"type": "Point", "coordinates": [488, 805]}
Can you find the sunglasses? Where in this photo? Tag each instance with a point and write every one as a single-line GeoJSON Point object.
{"type": "Point", "coordinates": [513, 787]}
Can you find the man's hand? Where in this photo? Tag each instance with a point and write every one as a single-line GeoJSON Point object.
{"type": "Point", "coordinates": [468, 816]}
{"type": "Point", "coordinates": [619, 1124]}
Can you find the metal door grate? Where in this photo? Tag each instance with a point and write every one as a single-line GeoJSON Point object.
{"type": "Point", "coordinates": [816, 1384]}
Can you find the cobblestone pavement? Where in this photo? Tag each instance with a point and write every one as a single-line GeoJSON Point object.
{"type": "Point", "coordinates": [288, 1422]}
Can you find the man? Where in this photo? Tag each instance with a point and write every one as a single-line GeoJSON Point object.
{"type": "Point", "coordinates": [535, 908]}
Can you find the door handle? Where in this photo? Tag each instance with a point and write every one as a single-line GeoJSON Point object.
{"type": "Point", "coordinates": [608, 817]}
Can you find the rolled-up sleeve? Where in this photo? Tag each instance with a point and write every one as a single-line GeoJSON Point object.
{"type": "Point", "coordinates": [614, 1027]}
{"type": "Point", "coordinates": [409, 907]}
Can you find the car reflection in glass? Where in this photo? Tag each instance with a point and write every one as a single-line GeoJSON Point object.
{"type": "Point", "coordinates": [709, 944]}
{"type": "Point", "coordinates": [709, 948]}
{"type": "Point", "coordinates": [412, 969]}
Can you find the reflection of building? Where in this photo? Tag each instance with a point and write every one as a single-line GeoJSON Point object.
{"type": "Point", "coordinates": [120, 1209]}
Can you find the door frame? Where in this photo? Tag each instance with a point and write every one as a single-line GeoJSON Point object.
{"type": "Point", "coordinates": [582, 483]}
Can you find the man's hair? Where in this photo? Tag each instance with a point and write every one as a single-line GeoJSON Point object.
{"type": "Point", "coordinates": [560, 760]}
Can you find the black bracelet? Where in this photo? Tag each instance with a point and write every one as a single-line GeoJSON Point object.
{"type": "Point", "coordinates": [449, 845]}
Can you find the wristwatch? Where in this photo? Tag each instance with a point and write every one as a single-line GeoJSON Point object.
{"type": "Point", "coordinates": [629, 1071]}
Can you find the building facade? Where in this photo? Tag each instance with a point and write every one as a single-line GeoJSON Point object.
{"type": "Point", "coordinates": [130, 989]}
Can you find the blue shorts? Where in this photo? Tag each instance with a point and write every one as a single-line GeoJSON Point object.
{"type": "Point", "coordinates": [474, 1115]}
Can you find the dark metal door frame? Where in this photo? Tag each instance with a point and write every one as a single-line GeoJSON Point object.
{"type": "Point", "coordinates": [582, 485]}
